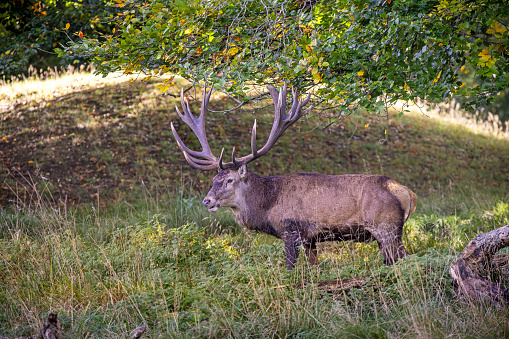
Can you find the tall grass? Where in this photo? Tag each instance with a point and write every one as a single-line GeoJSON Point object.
{"type": "Point", "coordinates": [167, 263]}
{"type": "Point", "coordinates": [481, 121]}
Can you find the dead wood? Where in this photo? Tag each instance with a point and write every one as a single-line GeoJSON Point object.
{"type": "Point", "coordinates": [477, 256]}
{"type": "Point", "coordinates": [50, 330]}
{"type": "Point", "coordinates": [53, 330]}
{"type": "Point", "coordinates": [138, 332]}
{"type": "Point", "coordinates": [337, 285]}
{"type": "Point", "coordinates": [333, 286]}
{"type": "Point", "coordinates": [500, 259]}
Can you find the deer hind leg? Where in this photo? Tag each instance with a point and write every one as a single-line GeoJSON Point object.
{"type": "Point", "coordinates": [311, 253]}
{"type": "Point", "coordinates": [390, 244]}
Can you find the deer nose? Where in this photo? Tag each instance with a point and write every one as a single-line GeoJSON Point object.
{"type": "Point", "coordinates": [206, 202]}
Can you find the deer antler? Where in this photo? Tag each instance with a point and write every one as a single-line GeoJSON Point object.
{"type": "Point", "coordinates": [205, 160]}
{"type": "Point", "coordinates": [282, 121]}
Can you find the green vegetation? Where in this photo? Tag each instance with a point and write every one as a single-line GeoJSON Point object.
{"type": "Point", "coordinates": [150, 263]}
{"type": "Point", "coordinates": [367, 54]}
{"type": "Point", "coordinates": [30, 30]}
{"type": "Point", "coordinates": [137, 246]}
{"type": "Point", "coordinates": [348, 52]}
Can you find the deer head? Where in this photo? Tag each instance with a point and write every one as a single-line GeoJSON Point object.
{"type": "Point", "coordinates": [225, 190]}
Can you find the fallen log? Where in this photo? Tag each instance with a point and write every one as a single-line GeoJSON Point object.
{"type": "Point", "coordinates": [476, 256]}
{"type": "Point", "coordinates": [335, 286]}
{"type": "Point", "coordinates": [138, 332]}
{"type": "Point", "coordinates": [332, 286]}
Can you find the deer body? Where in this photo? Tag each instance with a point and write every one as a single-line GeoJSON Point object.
{"type": "Point", "coordinates": [306, 208]}
{"type": "Point", "coordinates": [302, 208]}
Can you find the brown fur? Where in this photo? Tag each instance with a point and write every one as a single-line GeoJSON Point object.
{"type": "Point", "coordinates": [306, 208]}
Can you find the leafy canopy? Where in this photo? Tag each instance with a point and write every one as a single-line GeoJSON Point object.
{"type": "Point", "coordinates": [347, 52]}
{"type": "Point", "coordinates": [31, 29]}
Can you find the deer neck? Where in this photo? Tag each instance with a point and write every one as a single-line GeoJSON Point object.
{"type": "Point", "coordinates": [257, 196]}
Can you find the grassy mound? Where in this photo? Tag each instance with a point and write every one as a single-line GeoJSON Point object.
{"type": "Point", "coordinates": [108, 141]}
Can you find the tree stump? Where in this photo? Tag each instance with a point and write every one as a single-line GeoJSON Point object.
{"type": "Point", "coordinates": [466, 271]}
{"type": "Point", "coordinates": [51, 328]}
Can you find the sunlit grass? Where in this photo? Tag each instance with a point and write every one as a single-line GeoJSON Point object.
{"type": "Point", "coordinates": [44, 87]}
{"type": "Point", "coordinates": [449, 114]}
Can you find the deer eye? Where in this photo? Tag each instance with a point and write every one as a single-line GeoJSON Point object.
{"type": "Point", "coordinates": [229, 181]}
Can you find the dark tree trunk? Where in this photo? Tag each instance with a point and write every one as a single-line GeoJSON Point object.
{"type": "Point", "coordinates": [53, 330]}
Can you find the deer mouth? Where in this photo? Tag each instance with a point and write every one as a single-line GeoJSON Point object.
{"type": "Point", "coordinates": [214, 208]}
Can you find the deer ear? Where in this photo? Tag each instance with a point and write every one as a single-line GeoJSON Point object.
{"type": "Point", "coordinates": [242, 172]}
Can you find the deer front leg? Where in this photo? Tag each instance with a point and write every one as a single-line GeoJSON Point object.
{"type": "Point", "coordinates": [390, 245]}
{"type": "Point", "coordinates": [292, 241]}
{"type": "Point", "coordinates": [292, 249]}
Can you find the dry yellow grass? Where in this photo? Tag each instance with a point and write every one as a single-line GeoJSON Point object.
{"type": "Point", "coordinates": [450, 112]}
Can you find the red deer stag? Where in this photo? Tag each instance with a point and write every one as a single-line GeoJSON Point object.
{"type": "Point", "coordinates": [301, 208]}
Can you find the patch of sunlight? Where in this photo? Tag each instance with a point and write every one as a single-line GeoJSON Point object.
{"type": "Point", "coordinates": [451, 112]}
{"type": "Point", "coordinates": [45, 87]}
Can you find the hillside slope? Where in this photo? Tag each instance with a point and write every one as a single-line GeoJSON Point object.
{"type": "Point", "coordinates": [103, 142]}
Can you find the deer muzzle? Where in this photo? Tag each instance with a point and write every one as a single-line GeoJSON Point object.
{"type": "Point", "coordinates": [211, 203]}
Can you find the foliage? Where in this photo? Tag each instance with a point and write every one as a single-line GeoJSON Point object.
{"type": "Point", "coordinates": [367, 53]}
{"type": "Point", "coordinates": [31, 29]}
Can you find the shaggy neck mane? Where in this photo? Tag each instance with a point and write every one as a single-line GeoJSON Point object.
{"type": "Point", "coordinates": [259, 196]}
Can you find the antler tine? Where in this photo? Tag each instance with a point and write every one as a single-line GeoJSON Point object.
{"type": "Point", "coordinates": [204, 165]}
{"type": "Point", "coordinates": [282, 100]}
{"type": "Point", "coordinates": [205, 101]}
{"type": "Point", "coordinates": [203, 160]}
{"type": "Point", "coordinates": [281, 122]}
{"type": "Point", "coordinates": [297, 105]}
{"type": "Point", "coordinates": [221, 165]}
{"type": "Point", "coordinates": [253, 140]}
{"type": "Point", "coordinates": [279, 114]}
{"type": "Point", "coordinates": [233, 157]}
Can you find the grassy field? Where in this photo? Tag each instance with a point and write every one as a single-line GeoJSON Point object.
{"type": "Point", "coordinates": [101, 221]}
